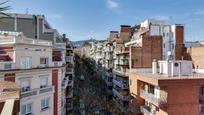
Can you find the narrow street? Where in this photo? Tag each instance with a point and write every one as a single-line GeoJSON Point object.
{"type": "Point", "coordinates": [90, 89]}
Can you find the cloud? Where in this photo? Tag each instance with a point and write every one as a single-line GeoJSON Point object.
{"type": "Point", "coordinates": [201, 12]}
{"type": "Point", "coordinates": [112, 5]}
{"type": "Point", "coordinates": [162, 17]}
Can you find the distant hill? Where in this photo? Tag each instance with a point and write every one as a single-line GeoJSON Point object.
{"type": "Point", "coordinates": [78, 44]}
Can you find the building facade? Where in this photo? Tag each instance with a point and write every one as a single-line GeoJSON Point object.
{"type": "Point", "coordinates": [32, 49]}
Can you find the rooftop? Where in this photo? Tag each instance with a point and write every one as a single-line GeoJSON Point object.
{"type": "Point", "coordinates": [9, 90]}
{"type": "Point", "coordinates": [166, 77]}
{"type": "Point", "coordinates": [8, 37]}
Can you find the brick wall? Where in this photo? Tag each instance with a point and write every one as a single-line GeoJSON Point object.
{"type": "Point", "coordinates": [179, 46]}
{"type": "Point", "coordinates": [196, 55]}
{"type": "Point", "coordinates": [151, 49]}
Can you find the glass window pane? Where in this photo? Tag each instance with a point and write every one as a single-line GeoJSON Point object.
{"type": "Point", "coordinates": [23, 109]}
{"type": "Point", "coordinates": [29, 108]}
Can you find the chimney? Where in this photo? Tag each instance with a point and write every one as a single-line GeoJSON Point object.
{"type": "Point", "coordinates": [125, 28]}
{"type": "Point", "coordinates": [113, 34]}
{"type": "Point", "coordinates": [154, 66]}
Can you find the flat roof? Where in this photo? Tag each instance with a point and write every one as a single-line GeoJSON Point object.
{"type": "Point", "coordinates": [166, 77]}
{"type": "Point", "coordinates": [9, 90]}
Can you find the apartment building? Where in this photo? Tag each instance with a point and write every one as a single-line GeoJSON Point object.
{"type": "Point", "coordinates": [152, 40]}
{"type": "Point", "coordinates": [29, 63]}
{"type": "Point", "coordinates": [32, 26]}
{"type": "Point", "coordinates": [97, 54]}
{"type": "Point", "coordinates": [9, 98]}
{"type": "Point", "coordinates": [121, 65]}
{"type": "Point", "coordinates": [108, 66]}
{"type": "Point", "coordinates": [171, 89]}
{"type": "Point", "coordinates": [68, 81]}
{"type": "Point", "coordinates": [35, 30]}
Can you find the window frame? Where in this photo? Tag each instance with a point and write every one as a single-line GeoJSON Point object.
{"type": "Point", "coordinates": [45, 104]}
{"type": "Point", "coordinates": [26, 109]}
{"type": "Point", "coordinates": [29, 87]}
{"type": "Point", "coordinates": [41, 78]}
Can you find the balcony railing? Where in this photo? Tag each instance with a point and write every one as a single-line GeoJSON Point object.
{"type": "Point", "coordinates": [120, 95]}
{"type": "Point", "coordinates": [57, 64]}
{"type": "Point", "coordinates": [121, 84]}
{"type": "Point", "coordinates": [123, 72]}
{"type": "Point", "coordinates": [13, 39]}
{"type": "Point", "coordinates": [66, 82]}
{"type": "Point", "coordinates": [12, 65]}
{"type": "Point", "coordinates": [60, 45]}
{"type": "Point", "coordinates": [69, 105]}
{"type": "Point", "coordinates": [69, 58]}
{"type": "Point", "coordinates": [151, 97]}
{"type": "Point", "coordinates": [7, 65]}
{"type": "Point", "coordinates": [37, 91]}
{"type": "Point", "coordinates": [69, 70]}
{"type": "Point", "coordinates": [146, 110]}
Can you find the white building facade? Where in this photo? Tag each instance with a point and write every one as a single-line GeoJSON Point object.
{"type": "Point", "coordinates": [30, 63]}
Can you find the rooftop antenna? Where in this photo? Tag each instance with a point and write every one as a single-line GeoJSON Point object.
{"type": "Point", "coordinates": [27, 10]}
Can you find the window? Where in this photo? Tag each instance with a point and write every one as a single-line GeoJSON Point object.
{"type": "Point", "coordinates": [25, 85]}
{"type": "Point", "coordinates": [44, 61]}
{"type": "Point", "coordinates": [43, 82]}
{"type": "Point", "coordinates": [26, 109]}
{"type": "Point", "coordinates": [45, 104]}
{"type": "Point", "coordinates": [26, 62]}
{"type": "Point", "coordinates": [151, 89]}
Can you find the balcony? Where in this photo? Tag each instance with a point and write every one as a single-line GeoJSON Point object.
{"type": "Point", "coordinates": [123, 72]}
{"type": "Point", "coordinates": [65, 83]}
{"type": "Point", "coordinates": [69, 70]}
{"type": "Point", "coordinates": [7, 65]}
{"type": "Point", "coordinates": [18, 37]}
{"type": "Point", "coordinates": [70, 95]}
{"type": "Point", "coordinates": [121, 84]}
{"type": "Point", "coordinates": [147, 110]}
{"type": "Point", "coordinates": [57, 64]}
{"type": "Point", "coordinates": [120, 95]}
{"type": "Point", "coordinates": [60, 46]}
{"type": "Point", "coordinates": [38, 91]}
{"type": "Point", "coordinates": [69, 105]}
{"type": "Point", "coordinates": [151, 98]}
{"type": "Point", "coordinates": [69, 59]}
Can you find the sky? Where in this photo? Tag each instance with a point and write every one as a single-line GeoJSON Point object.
{"type": "Point", "coordinates": [85, 19]}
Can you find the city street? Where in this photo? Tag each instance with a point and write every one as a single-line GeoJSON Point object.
{"type": "Point", "coordinates": [91, 90]}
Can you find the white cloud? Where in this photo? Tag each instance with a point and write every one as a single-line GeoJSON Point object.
{"type": "Point", "coordinates": [112, 5]}
{"type": "Point", "coordinates": [162, 17]}
{"type": "Point", "coordinates": [201, 12]}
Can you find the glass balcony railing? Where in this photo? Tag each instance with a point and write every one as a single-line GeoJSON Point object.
{"type": "Point", "coordinates": [152, 98]}
{"type": "Point", "coordinates": [147, 110]}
